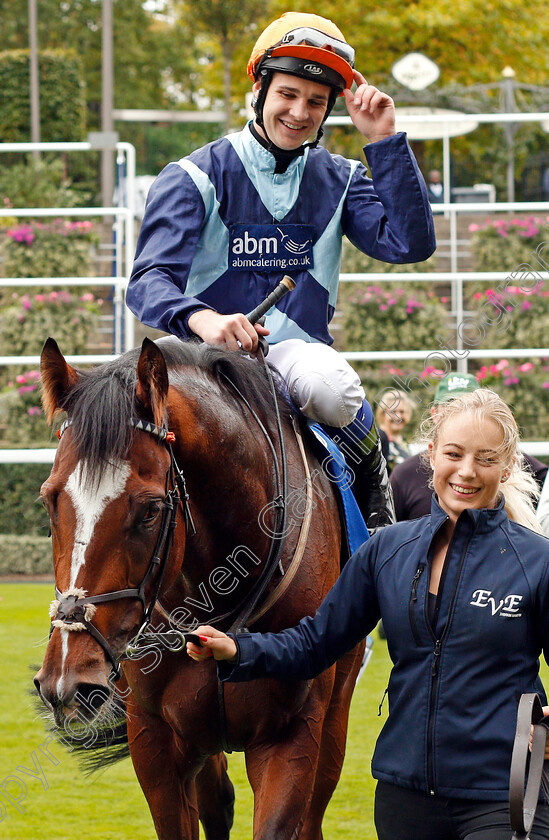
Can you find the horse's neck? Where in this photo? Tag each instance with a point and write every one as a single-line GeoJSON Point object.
{"type": "Point", "coordinates": [229, 472]}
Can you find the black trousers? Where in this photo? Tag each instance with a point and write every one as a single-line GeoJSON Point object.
{"type": "Point", "coordinates": [402, 814]}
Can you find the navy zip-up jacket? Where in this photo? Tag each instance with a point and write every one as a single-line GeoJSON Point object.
{"type": "Point", "coordinates": [221, 227]}
{"type": "Point", "coordinates": [454, 689]}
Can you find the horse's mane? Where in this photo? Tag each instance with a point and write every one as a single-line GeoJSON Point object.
{"type": "Point", "coordinates": [103, 402]}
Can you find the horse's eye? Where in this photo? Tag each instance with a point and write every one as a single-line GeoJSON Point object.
{"type": "Point", "coordinates": [152, 511]}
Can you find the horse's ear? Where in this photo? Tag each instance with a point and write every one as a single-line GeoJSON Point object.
{"type": "Point", "coordinates": [58, 378]}
{"type": "Point", "coordinates": [152, 380]}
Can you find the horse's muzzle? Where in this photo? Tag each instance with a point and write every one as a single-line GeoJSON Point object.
{"type": "Point", "coordinates": [71, 698]}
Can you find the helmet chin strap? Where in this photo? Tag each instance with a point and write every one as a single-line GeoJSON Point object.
{"type": "Point", "coordinates": [259, 102]}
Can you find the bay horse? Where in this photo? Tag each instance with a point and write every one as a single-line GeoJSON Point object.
{"type": "Point", "coordinates": [164, 501]}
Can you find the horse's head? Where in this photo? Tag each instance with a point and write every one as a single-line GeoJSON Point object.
{"type": "Point", "coordinates": [113, 501]}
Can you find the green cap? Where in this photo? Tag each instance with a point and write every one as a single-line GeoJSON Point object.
{"type": "Point", "coordinates": [453, 385]}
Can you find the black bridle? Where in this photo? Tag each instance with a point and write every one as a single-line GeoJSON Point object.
{"type": "Point", "coordinates": [71, 608]}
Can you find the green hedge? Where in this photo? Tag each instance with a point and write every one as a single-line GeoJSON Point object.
{"type": "Point", "coordinates": [25, 555]}
{"type": "Point", "coordinates": [20, 511]}
{"type": "Point", "coordinates": [62, 101]}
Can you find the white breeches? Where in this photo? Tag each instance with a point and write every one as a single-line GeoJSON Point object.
{"type": "Point", "coordinates": [321, 383]}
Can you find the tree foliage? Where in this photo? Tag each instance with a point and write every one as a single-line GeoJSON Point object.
{"type": "Point", "coordinates": [224, 26]}
{"type": "Point", "coordinates": [62, 106]}
{"type": "Point", "coordinates": [148, 51]}
{"type": "Point", "coordinates": [471, 41]}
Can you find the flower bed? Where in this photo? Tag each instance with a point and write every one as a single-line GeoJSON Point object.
{"type": "Point", "coordinates": [26, 320]}
{"type": "Point", "coordinates": [389, 318]}
{"type": "Point", "coordinates": [521, 318]}
{"type": "Point", "coordinates": [59, 248]}
{"type": "Point", "coordinates": [503, 244]}
{"type": "Point", "coordinates": [21, 415]}
{"type": "Point", "coordinates": [525, 388]}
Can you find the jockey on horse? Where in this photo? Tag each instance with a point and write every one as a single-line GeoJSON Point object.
{"type": "Point", "coordinates": [223, 224]}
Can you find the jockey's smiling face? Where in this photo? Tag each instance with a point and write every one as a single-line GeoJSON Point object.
{"type": "Point", "coordinates": [293, 111]}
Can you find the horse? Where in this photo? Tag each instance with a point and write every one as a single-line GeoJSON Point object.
{"type": "Point", "coordinates": [185, 491]}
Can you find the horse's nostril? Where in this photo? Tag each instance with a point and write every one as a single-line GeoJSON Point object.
{"type": "Point", "coordinates": [91, 696]}
{"type": "Point", "coordinates": [37, 685]}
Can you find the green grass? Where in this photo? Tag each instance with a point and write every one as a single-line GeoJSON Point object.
{"type": "Point", "coordinates": [111, 806]}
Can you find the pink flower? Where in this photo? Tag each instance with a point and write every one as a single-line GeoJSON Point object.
{"type": "Point", "coordinates": [383, 307]}
{"type": "Point", "coordinates": [526, 367]}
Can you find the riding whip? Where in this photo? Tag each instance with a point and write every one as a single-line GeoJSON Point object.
{"type": "Point", "coordinates": [286, 285]}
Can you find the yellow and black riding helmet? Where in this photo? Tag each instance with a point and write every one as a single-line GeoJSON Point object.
{"type": "Point", "coordinates": [304, 45]}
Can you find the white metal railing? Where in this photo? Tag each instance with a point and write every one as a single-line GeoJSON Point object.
{"type": "Point", "coordinates": [123, 226]}
{"type": "Point", "coordinates": [536, 448]}
{"type": "Point", "coordinates": [456, 278]}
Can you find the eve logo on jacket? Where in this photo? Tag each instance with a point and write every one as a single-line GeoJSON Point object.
{"type": "Point", "coordinates": [505, 607]}
{"type": "Point", "coordinates": [270, 247]}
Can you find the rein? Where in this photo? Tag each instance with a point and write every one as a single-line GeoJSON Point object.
{"type": "Point", "coordinates": [74, 609]}
{"type": "Point", "coordinates": [249, 604]}
{"type": "Point", "coordinates": [528, 760]}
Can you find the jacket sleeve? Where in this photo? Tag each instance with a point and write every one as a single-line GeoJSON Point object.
{"type": "Point", "coordinates": [393, 221]}
{"type": "Point", "coordinates": [166, 246]}
{"type": "Point", "coordinates": [346, 616]}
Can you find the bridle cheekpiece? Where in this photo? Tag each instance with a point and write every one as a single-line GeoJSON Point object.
{"type": "Point", "coordinates": [74, 609]}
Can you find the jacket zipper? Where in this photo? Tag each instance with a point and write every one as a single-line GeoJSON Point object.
{"type": "Point", "coordinates": [412, 603]}
{"type": "Point", "coordinates": [434, 676]}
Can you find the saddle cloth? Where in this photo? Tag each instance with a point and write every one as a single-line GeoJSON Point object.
{"type": "Point", "coordinates": [355, 530]}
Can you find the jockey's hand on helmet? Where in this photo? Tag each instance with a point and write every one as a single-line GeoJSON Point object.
{"type": "Point", "coordinates": [372, 111]}
{"type": "Point", "coordinates": [232, 332]}
{"type": "Point", "coordinates": [214, 643]}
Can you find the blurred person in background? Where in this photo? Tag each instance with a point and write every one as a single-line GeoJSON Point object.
{"type": "Point", "coordinates": [435, 188]}
{"type": "Point", "coordinates": [542, 511]}
{"type": "Point", "coordinates": [391, 422]}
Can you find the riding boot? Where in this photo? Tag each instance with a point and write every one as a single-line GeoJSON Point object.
{"type": "Point", "coordinates": [361, 445]}
{"type": "Point", "coordinates": [372, 489]}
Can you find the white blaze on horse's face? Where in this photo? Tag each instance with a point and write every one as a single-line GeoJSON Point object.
{"type": "Point", "coordinates": [90, 500]}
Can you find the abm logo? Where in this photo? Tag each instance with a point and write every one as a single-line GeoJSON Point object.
{"type": "Point", "coordinates": [255, 245]}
